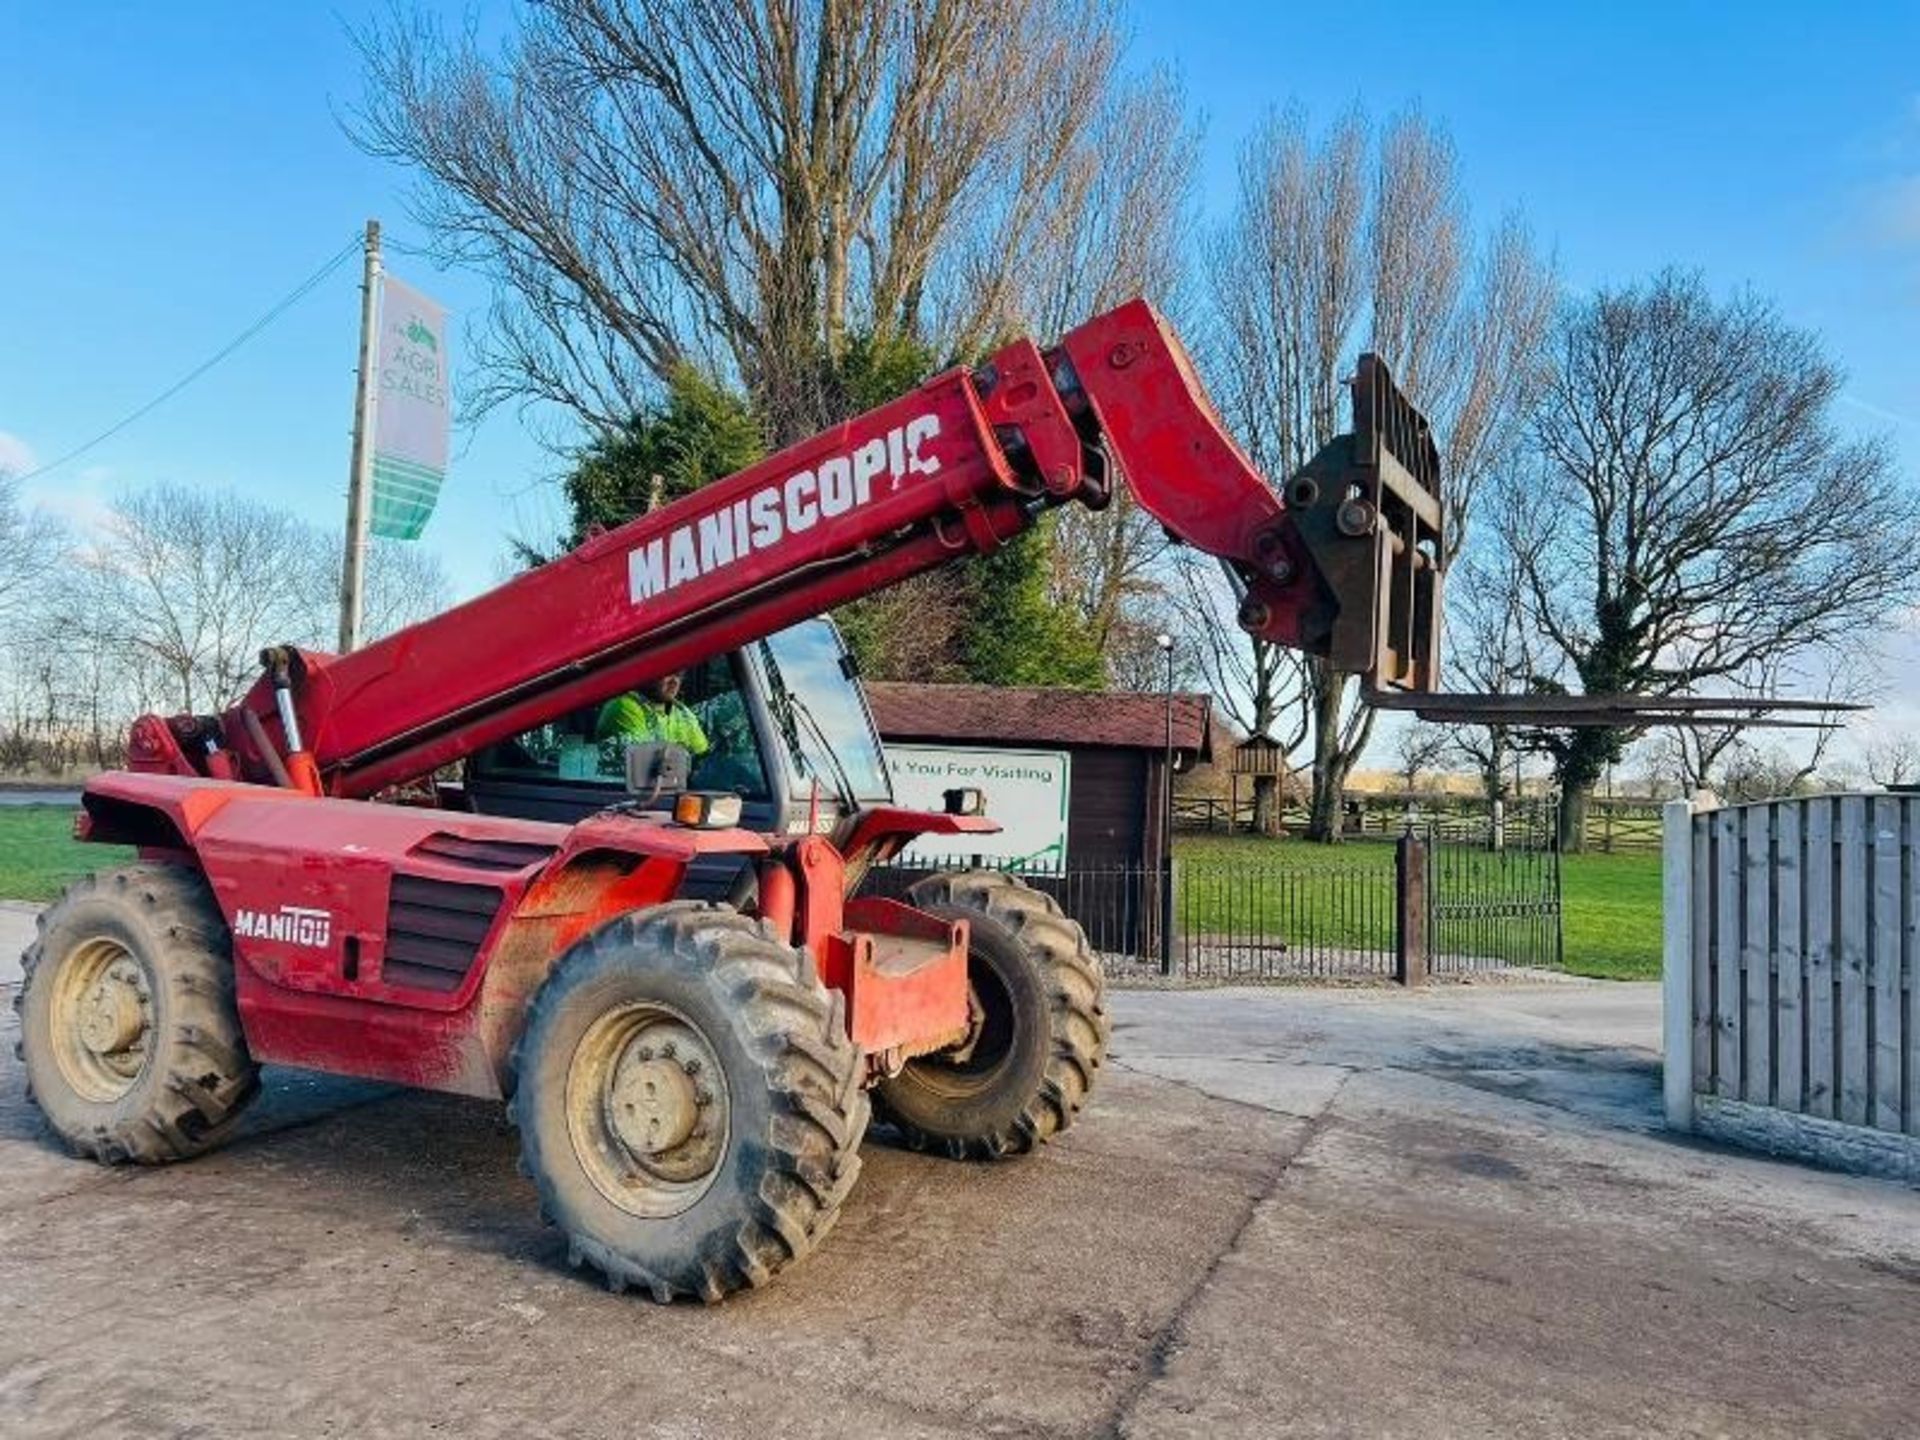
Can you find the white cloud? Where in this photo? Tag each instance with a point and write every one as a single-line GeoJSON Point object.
{"type": "Point", "coordinates": [16, 456]}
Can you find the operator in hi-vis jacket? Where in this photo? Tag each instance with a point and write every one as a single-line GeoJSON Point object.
{"type": "Point", "coordinates": [652, 713]}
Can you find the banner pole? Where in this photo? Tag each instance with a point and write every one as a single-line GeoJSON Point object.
{"type": "Point", "coordinates": [359, 482]}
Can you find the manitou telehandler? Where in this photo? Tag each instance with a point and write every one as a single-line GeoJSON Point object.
{"type": "Point", "coordinates": [685, 1015]}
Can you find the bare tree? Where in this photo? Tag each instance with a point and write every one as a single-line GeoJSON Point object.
{"type": "Point", "coordinates": [1693, 754]}
{"type": "Point", "coordinates": [1115, 221]}
{"type": "Point", "coordinates": [753, 186]}
{"type": "Point", "coordinates": [73, 684]}
{"type": "Point", "coordinates": [1259, 685]}
{"type": "Point", "coordinates": [196, 582]}
{"type": "Point", "coordinates": [1417, 749]}
{"type": "Point", "coordinates": [32, 544]}
{"type": "Point", "coordinates": [1339, 243]}
{"type": "Point", "coordinates": [1763, 771]}
{"type": "Point", "coordinates": [190, 584]}
{"type": "Point", "coordinates": [1491, 650]}
{"type": "Point", "coordinates": [403, 581]}
{"type": "Point", "coordinates": [1733, 760]}
{"type": "Point", "coordinates": [1893, 759]}
{"type": "Point", "coordinates": [1111, 566]}
{"type": "Point", "coordinates": [1690, 514]}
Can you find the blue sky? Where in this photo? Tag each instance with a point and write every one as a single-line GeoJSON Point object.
{"type": "Point", "coordinates": [167, 172]}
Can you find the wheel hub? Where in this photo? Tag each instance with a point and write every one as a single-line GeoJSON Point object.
{"type": "Point", "coordinates": [103, 1017]}
{"type": "Point", "coordinates": [648, 1109]}
{"type": "Point", "coordinates": [110, 1017]}
{"type": "Point", "coordinates": [653, 1105]}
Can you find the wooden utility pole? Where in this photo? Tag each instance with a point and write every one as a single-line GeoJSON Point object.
{"type": "Point", "coordinates": [360, 480]}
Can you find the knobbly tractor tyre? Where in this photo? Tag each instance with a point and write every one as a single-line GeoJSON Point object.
{"type": "Point", "coordinates": [128, 1028]}
{"type": "Point", "coordinates": [689, 1103]}
{"type": "Point", "coordinates": [1039, 1029]}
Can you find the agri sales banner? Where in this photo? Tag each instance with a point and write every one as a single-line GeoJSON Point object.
{"type": "Point", "coordinates": [412, 411]}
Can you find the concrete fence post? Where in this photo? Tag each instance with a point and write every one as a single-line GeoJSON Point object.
{"type": "Point", "coordinates": [1410, 910]}
{"type": "Point", "coordinates": [1677, 897]}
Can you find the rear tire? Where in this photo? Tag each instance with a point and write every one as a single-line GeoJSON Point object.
{"type": "Point", "coordinates": [689, 1102]}
{"type": "Point", "coordinates": [1040, 1029]}
{"type": "Point", "coordinates": [128, 1028]}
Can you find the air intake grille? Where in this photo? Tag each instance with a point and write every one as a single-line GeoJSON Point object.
{"type": "Point", "coordinates": [501, 855]}
{"type": "Point", "coordinates": [434, 930]}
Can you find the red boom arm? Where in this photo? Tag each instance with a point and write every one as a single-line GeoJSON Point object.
{"type": "Point", "coordinates": [955, 468]}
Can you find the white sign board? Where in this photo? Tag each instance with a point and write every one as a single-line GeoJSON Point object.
{"type": "Point", "coordinates": [1026, 793]}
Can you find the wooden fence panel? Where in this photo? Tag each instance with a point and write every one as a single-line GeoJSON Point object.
{"type": "Point", "coordinates": [1702, 907]}
{"type": "Point", "coordinates": [1726, 953]}
{"type": "Point", "coordinates": [1756, 954]}
{"type": "Point", "coordinates": [1911, 978]}
{"type": "Point", "coordinates": [1820, 926]}
{"type": "Point", "coordinates": [1855, 908]}
{"type": "Point", "coordinates": [1885, 997]}
{"type": "Point", "coordinates": [1789, 957]}
{"type": "Point", "coordinates": [1793, 973]}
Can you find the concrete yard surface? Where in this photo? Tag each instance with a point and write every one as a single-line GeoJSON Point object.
{"type": "Point", "coordinates": [16, 933]}
{"type": "Point", "coordinates": [1288, 1212]}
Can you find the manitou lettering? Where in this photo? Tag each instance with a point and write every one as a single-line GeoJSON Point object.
{"type": "Point", "coordinates": [290, 924]}
{"type": "Point", "coordinates": [791, 506]}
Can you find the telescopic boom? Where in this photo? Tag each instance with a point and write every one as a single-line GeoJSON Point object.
{"type": "Point", "coordinates": [1342, 561]}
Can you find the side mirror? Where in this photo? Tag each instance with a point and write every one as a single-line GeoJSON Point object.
{"type": "Point", "coordinates": [655, 766]}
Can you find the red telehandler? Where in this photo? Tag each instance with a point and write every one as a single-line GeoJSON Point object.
{"type": "Point", "coordinates": [690, 1076]}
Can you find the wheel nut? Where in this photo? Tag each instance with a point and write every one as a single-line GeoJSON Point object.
{"type": "Point", "coordinates": [693, 1067]}
{"type": "Point", "coordinates": [667, 1050]}
{"type": "Point", "coordinates": [702, 1095]}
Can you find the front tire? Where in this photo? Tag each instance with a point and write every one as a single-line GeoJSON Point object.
{"type": "Point", "coordinates": [128, 1028]}
{"type": "Point", "coordinates": [689, 1102]}
{"type": "Point", "coordinates": [1040, 1025]}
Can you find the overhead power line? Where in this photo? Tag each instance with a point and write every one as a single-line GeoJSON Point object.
{"type": "Point", "coordinates": [280, 307]}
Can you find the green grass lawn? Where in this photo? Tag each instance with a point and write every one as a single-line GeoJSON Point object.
{"type": "Point", "coordinates": [39, 856]}
{"type": "Point", "coordinates": [1612, 913]}
{"type": "Point", "coordinates": [1611, 902]}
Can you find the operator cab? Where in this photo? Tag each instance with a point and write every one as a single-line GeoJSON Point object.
{"type": "Point", "coordinates": [787, 728]}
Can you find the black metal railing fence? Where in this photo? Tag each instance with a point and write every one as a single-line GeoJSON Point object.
{"type": "Point", "coordinates": [1306, 913]}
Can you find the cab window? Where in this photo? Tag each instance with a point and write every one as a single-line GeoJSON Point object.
{"type": "Point", "coordinates": [566, 750]}
{"type": "Point", "coordinates": [822, 730]}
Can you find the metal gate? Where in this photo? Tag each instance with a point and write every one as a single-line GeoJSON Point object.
{"type": "Point", "coordinates": [1495, 902]}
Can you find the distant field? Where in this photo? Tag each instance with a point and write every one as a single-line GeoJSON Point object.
{"type": "Point", "coordinates": [39, 856]}
{"type": "Point", "coordinates": [1611, 902]}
